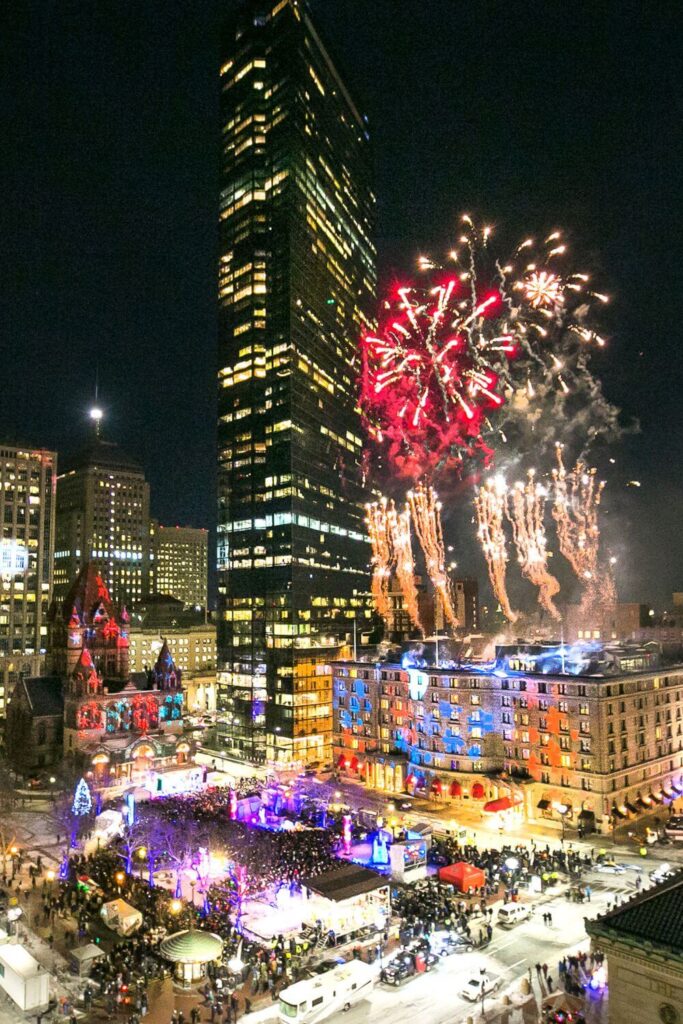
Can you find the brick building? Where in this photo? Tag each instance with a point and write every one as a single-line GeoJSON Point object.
{"type": "Point", "coordinates": [595, 747]}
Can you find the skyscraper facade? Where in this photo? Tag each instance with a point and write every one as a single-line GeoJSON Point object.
{"type": "Point", "coordinates": [27, 518]}
{"type": "Point", "coordinates": [296, 285]}
{"type": "Point", "coordinates": [103, 518]}
{"type": "Point", "coordinates": [180, 563]}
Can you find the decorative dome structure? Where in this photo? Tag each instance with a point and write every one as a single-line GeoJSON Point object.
{"type": "Point", "coordinates": [191, 950]}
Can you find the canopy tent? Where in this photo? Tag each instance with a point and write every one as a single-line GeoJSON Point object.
{"type": "Point", "coordinates": [121, 917]}
{"type": "Point", "coordinates": [463, 876]}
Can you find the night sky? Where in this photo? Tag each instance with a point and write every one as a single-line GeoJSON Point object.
{"type": "Point", "coordinates": [530, 115]}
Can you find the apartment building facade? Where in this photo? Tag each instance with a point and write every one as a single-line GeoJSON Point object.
{"type": "Point", "coordinates": [592, 750]}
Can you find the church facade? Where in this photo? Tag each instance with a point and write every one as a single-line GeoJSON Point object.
{"type": "Point", "coordinates": [115, 726]}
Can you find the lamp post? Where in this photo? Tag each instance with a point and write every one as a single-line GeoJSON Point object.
{"type": "Point", "coordinates": [120, 878]}
{"type": "Point", "coordinates": [192, 887]}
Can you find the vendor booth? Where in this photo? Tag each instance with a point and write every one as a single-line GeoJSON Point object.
{"type": "Point", "coordinates": [463, 876]}
{"type": "Point", "coordinates": [121, 917]}
{"type": "Point", "coordinates": [81, 960]}
{"type": "Point", "coordinates": [191, 950]}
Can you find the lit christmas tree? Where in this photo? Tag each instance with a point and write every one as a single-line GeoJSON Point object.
{"type": "Point", "coordinates": [82, 804]}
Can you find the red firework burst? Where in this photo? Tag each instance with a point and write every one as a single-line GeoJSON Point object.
{"type": "Point", "coordinates": [430, 378]}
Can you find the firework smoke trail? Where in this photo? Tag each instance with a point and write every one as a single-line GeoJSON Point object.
{"type": "Point", "coordinates": [525, 510]}
{"type": "Point", "coordinates": [425, 509]}
{"type": "Point", "coordinates": [577, 497]}
{"type": "Point", "coordinates": [489, 502]}
{"type": "Point", "coordinates": [377, 520]}
{"type": "Point", "coordinates": [400, 532]}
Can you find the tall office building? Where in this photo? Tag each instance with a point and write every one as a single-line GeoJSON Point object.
{"type": "Point", "coordinates": [103, 518]}
{"type": "Point", "coordinates": [296, 284]}
{"type": "Point", "coordinates": [27, 518]}
{"type": "Point", "coordinates": [179, 566]}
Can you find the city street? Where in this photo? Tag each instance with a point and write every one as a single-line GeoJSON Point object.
{"type": "Point", "coordinates": [434, 998]}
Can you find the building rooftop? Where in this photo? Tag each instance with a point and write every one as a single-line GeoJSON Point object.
{"type": "Point", "coordinates": [653, 919]}
{"type": "Point", "coordinates": [98, 453]}
{"type": "Point", "coordinates": [345, 882]}
{"type": "Point", "coordinates": [44, 695]}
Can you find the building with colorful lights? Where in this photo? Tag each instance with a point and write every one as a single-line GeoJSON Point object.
{"type": "Point", "coordinates": [103, 518]}
{"type": "Point", "coordinates": [27, 514]}
{"type": "Point", "coordinates": [114, 726]}
{"type": "Point", "coordinates": [596, 744]}
{"type": "Point", "coordinates": [296, 285]}
{"type": "Point", "coordinates": [179, 563]}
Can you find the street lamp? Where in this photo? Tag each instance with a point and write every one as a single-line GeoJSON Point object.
{"type": "Point", "coordinates": [142, 853]}
{"type": "Point", "coordinates": [192, 886]}
{"type": "Point", "coordinates": [120, 878]}
{"type": "Point", "coordinates": [563, 811]}
{"type": "Point", "coordinates": [175, 906]}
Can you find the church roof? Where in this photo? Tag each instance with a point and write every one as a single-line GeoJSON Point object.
{"type": "Point", "coordinates": [164, 662]}
{"type": "Point", "coordinates": [44, 696]}
{"type": "Point", "coordinates": [100, 453]}
{"type": "Point", "coordinates": [86, 594]}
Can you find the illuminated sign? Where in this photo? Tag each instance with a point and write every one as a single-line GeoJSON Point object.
{"type": "Point", "coordinates": [414, 854]}
{"type": "Point", "coordinates": [418, 682]}
{"type": "Point", "coordinates": [13, 558]}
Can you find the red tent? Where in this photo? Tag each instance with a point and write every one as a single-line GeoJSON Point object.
{"type": "Point", "coordinates": [463, 876]}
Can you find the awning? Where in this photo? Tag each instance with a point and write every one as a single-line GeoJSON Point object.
{"type": "Point", "coordinates": [477, 791]}
{"type": "Point", "coordinates": [543, 805]}
{"type": "Point", "coordinates": [503, 803]}
{"type": "Point", "coordinates": [455, 789]}
{"type": "Point", "coordinates": [616, 812]}
{"type": "Point", "coordinates": [668, 792]}
{"type": "Point", "coordinates": [644, 801]}
{"type": "Point", "coordinates": [630, 808]}
{"type": "Point", "coordinates": [586, 814]}
{"type": "Point", "coordinates": [656, 797]}
{"type": "Point", "coordinates": [678, 786]}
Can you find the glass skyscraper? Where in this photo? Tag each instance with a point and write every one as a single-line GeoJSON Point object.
{"type": "Point", "coordinates": [296, 285]}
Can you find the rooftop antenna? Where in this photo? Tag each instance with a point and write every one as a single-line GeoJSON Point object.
{"type": "Point", "coordinates": [96, 412]}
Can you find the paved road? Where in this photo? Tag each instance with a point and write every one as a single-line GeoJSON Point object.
{"type": "Point", "coordinates": [434, 998]}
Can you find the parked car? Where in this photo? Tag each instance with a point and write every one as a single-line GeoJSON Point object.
{"type": "Point", "coordinates": [447, 943]}
{"type": "Point", "coordinates": [610, 867]}
{"type": "Point", "coordinates": [662, 873]}
{"type": "Point", "coordinates": [511, 914]}
{"type": "Point", "coordinates": [477, 984]}
{"type": "Point", "coordinates": [406, 965]}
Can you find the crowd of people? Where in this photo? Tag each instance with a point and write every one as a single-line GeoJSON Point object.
{"type": "Point", "coordinates": [173, 829]}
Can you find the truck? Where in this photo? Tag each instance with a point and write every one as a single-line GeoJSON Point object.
{"type": "Point", "coordinates": [314, 999]}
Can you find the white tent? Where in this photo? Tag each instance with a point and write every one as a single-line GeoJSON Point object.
{"type": "Point", "coordinates": [121, 917]}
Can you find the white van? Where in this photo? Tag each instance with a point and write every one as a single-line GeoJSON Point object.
{"type": "Point", "coordinates": [306, 1002]}
{"type": "Point", "coordinates": [512, 913]}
